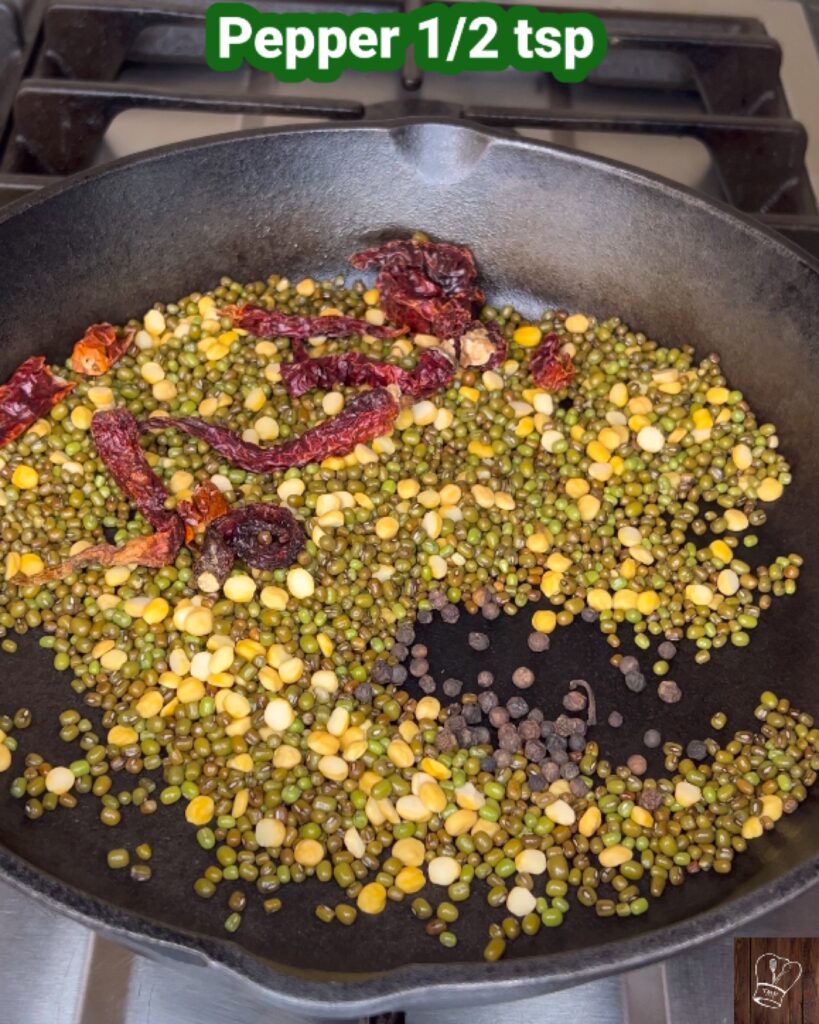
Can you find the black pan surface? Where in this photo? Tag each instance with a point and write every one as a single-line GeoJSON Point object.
{"type": "Point", "coordinates": [549, 228]}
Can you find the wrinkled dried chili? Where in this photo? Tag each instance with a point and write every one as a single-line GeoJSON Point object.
{"type": "Point", "coordinates": [433, 371]}
{"type": "Point", "coordinates": [366, 416]}
{"type": "Point", "coordinates": [27, 395]}
{"type": "Point", "coordinates": [116, 434]}
{"type": "Point", "coordinates": [99, 349]}
{"type": "Point", "coordinates": [421, 282]}
{"type": "Point", "coordinates": [206, 504]}
{"type": "Point", "coordinates": [154, 551]}
{"type": "Point", "coordinates": [270, 323]}
{"type": "Point", "coordinates": [263, 536]}
{"type": "Point", "coordinates": [550, 368]}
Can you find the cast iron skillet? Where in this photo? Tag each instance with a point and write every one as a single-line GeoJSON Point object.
{"type": "Point", "coordinates": [547, 227]}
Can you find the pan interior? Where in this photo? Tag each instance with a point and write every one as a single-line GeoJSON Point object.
{"type": "Point", "coordinates": [548, 228]}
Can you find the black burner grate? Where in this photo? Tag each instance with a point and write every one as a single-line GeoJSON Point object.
{"type": "Point", "coordinates": [64, 79]}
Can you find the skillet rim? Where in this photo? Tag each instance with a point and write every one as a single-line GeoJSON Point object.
{"type": "Point", "coordinates": [410, 984]}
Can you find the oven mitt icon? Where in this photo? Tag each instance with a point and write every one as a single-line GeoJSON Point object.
{"type": "Point", "coordinates": [775, 976]}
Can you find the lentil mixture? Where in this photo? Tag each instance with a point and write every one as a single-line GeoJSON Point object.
{"type": "Point", "coordinates": [621, 480]}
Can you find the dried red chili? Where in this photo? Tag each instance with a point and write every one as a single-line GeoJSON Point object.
{"type": "Point", "coordinates": [270, 323]}
{"type": "Point", "coordinates": [157, 549]}
{"type": "Point", "coordinates": [551, 369]}
{"type": "Point", "coordinates": [28, 394]}
{"type": "Point", "coordinates": [116, 434]}
{"type": "Point", "coordinates": [433, 371]}
{"type": "Point", "coordinates": [206, 504]}
{"type": "Point", "coordinates": [99, 348]}
{"type": "Point", "coordinates": [263, 536]}
{"type": "Point", "coordinates": [420, 282]}
{"type": "Point", "coordinates": [366, 416]}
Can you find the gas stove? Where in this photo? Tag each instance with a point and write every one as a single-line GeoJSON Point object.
{"type": "Point", "coordinates": [722, 102]}
{"type": "Point", "coordinates": [56, 971]}
{"type": "Point", "coordinates": [719, 96]}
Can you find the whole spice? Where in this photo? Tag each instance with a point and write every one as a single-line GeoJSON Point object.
{"type": "Point", "coordinates": [433, 371]}
{"type": "Point", "coordinates": [635, 681]}
{"type": "Point", "coordinates": [420, 282]}
{"type": "Point", "coordinates": [471, 342]}
{"type": "Point", "coordinates": [591, 716]}
{"type": "Point", "coordinates": [551, 368]}
{"type": "Point", "coordinates": [523, 677]}
{"type": "Point", "coordinates": [28, 394]}
{"type": "Point", "coordinates": [263, 536]}
{"type": "Point", "coordinates": [100, 348]}
{"type": "Point", "coordinates": [669, 691]}
{"type": "Point", "coordinates": [264, 323]}
{"type": "Point", "coordinates": [154, 551]}
{"type": "Point", "coordinates": [116, 434]}
{"type": "Point", "coordinates": [364, 417]}
{"type": "Point", "coordinates": [206, 504]}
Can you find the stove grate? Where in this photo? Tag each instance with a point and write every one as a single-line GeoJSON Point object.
{"type": "Point", "coordinates": [65, 78]}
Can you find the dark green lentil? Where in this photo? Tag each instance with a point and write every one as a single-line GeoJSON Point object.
{"type": "Point", "coordinates": [118, 858]}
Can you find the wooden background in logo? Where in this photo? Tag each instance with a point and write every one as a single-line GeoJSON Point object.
{"type": "Point", "coordinates": [800, 1005]}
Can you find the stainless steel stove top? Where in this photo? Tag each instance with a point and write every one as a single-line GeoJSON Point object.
{"type": "Point", "coordinates": [55, 971]}
{"type": "Point", "coordinates": [794, 25]}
